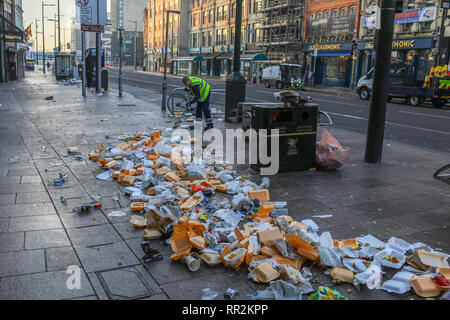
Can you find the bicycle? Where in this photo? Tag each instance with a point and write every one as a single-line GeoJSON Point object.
{"type": "Point", "coordinates": [178, 103]}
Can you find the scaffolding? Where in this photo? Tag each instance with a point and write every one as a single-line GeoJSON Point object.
{"type": "Point", "coordinates": [280, 29]}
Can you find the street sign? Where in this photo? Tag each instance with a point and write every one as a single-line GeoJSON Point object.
{"type": "Point", "coordinates": [445, 4]}
{"type": "Point", "coordinates": [92, 15]}
{"type": "Point", "coordinates": [92, 28]}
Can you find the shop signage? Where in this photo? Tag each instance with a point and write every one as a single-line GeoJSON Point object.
{"type": "Point", "coordinates": [407, 16]}
{"type": "Point", "coordinates": [341, 25]}
{"type": "Point", "coordinates": [401, 44]}
{"type": "Point", "coordinates": [341, 46]}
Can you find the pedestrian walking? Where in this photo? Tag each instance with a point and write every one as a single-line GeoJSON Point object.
{"type": "Point", "coordinates": [200, 94]}
{"type": "Point", "coordinates": [259, 75]}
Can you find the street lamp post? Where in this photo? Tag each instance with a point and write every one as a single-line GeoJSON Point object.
{"type": "Point", "coordinates": [164, 88]}
{"type": "Point", "coordinates": [235, 84]}
{"type": "Point", "coordinates": [43, 32]}
{"type": "Point", "coordinates": [59, 30]}
{"type": "Point", "coordinates": [377, 113]}
{"type": "Point", "coordinates": [120, 60]}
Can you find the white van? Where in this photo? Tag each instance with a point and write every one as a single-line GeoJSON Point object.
{"type": "Point", "coordinates": [280, 76]}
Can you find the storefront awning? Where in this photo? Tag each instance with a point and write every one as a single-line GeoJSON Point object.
{"type": "Point", "coordinates": [334, 53]}
{"type": "Point", "coordinates": [189, 58]}
{"type": "Point", "coordinates": [253, 57]}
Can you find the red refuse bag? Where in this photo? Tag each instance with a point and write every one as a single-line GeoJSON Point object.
{"type": "Point", "coordinates": [330, 154]}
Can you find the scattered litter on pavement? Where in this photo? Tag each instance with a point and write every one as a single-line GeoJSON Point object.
{"type": "Point", "coordinates": [209, 294]}
{"type": "Point", "coordinates": [330, 154]}
{"type": "Point", "coordinates": [49, 98]}
{"type": "Point", "coordinates": [63, 199]}
{"type": "Point", "coordinates": [209, 214]}
{"type": "Point", "coordinates": [14, 159]}
{"type": "Point", "coordinates": [230, 293]}
{"type": "Point", "coordinates": [59, 181]}
{"type": "Point", "coordinates": [118, 213]}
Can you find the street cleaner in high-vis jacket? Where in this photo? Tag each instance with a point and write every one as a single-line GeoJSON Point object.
{"type": "Point", "coordinates": [200, 94]}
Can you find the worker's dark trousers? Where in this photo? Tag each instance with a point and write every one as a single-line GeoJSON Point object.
{"type": "Point", "coordinates": [203, 107]}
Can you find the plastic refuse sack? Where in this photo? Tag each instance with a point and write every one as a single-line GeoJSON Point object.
{"type": "Point", "coordinates": [330, 154]}
{"type": "Point", "coordinates": [295, 275]}
{"type": "Point", "coordinates": [371, 278]}
{"type": "Point", "coordinates": [232, 187]}
{"type": "Point", "coordinates": [209, 294]}
{"type": "Point", "coordinates": [325, 293]}
{"type": "Point", "coordinates": [163, 148]}
{"type": "Point", "coordinates": [399, 283]}
{"type": "Point", "coordinates": [265, 184]}
{"type": "Point", "coordinates": [229, 216]}
{"type": "Point", "coordinates": [283, 290]}
{"type": "Point", "coordinates": [286, 250]}
{"type": "Point", "coordinates": [311, 224]}
{"type": "Point", "coordinates": [210, 239]}
{"type": "Point", "coordinates": [329, 258]}
{"type": "Point", "coordinates": [241, 202]}
{"type": "Point", "coordinates": [106, 175]}
{"type": "Point", "coordinates": [326, 240]}
{"type": "Point", "coordinates": [224, 176]}
{"type": "Point", "coordinates": [355, 265]}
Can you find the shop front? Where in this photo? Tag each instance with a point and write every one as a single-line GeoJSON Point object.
{"type": "Point", "coordinates": [333, 64]}
{"type": "Point", "coordinates": [417, 51]}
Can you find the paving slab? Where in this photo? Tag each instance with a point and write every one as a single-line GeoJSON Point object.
{"type": "Point", "coordinates": [4, 223]}
{"type": "Point", "coordinates": [31, 179]}
{"type": "Point", "coordinates": [93, 235]}
{"type": "Point", "coordinates": [21, 262]}
{"type": "Point", "coordinates": [84, 219]}
{"type": "Point", "coordinates": [46, 239]}
{"type": "Point", "coordinates": [9, 198]}
{"type": "Point", "coordinates": [105, 257]}
{"type": "Point", "coordinates": [60, 258]}
{"type": "Point", "coordinates": [43, 286]}
{"type": "Point", "coordinates": [22, 210]}
{"type": "Point", "coordinates": [18, 188]}
{"type": "Point", "coordinates": [32, 197]}
{"type": "Point", "coordinates": [11, 241]}
{"type": "Point", "coordinates": [33, 223]}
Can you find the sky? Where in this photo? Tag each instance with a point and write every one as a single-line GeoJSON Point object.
{"type": "Point", "coordinates": [33, 10]}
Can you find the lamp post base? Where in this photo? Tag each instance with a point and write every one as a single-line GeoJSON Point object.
{"type": "Point", "coordinates": [235, 93]}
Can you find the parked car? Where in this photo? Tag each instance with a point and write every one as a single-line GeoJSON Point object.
{"type": "Point", "coordinates": [29, 65]}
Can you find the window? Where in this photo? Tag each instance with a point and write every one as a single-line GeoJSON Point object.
{"type": "Point", "coordinates": [334, 13]}
{"type": "Point", "coordinates": [194, 40]}
{"type": "Point", "coordinates": [218, 14]}
{"type": "Point", "coordinates": [351, 10]}
{"type": "Point", "coordinates": [211, 16]}
{"type": "Point", "coordinates": [311, 16]}
{"type": "Point", "coordinates": [204, 39]}
{"type": "Point", "coordinates": [225, 12]}
{"type": "Point", "coordinates": [326, 14]}
{"type": "Point", "coordinates": [318, 16]}
{"type": "Point", "coordinates": [343, 12]}
{"type": "Point", "coordinates": [233, 10]}
{"type": "Point", "coordinates": [205, 14]}
{"type": "Point", "coordinates": [210, 38]}
{"type": "Point", "coordinates": [232, 35]}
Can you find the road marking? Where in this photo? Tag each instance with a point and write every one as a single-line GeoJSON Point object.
{"type": "Point", "coordinates": [425, 115]}
{"type": "Point", "coordinates": [391, 123]}
{"type": "Point", "coordinates": [344, 103]}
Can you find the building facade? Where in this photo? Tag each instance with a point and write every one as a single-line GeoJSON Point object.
{"type": "Point", "coordinates": [416, 36]}
{"type": "Point", "coordinates": [330, 31]}
{"type": "Point", "coordinates": [155, 33]}
{"type": "Point", "coordinates": [127, 15]}
{"type": "Point", "coordinates": [12, 41]}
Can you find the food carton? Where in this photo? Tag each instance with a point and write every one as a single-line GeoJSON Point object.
{"type": "Point", "coordinates": [432, 259]}
{"type": "Point", "coordinates": [265, 209]}
{"type": "Point", "coordinates": [221, 187]}
{"type": "Point", "coordinates": [265, 272]}
{"type": "Point", "coordinates": [269, 251]}
{"type": "Point", "coordinates": [294, 263]}
{"type": "Point", "coordinates": [152, 233]}
{"type": "Point", "coordinates": [171, 176]}
{"type": "Point", "coordinates": [198, 243]}
{"type": "Point", "coordinates": [424, 286]}
{"type": "Point", "coordinates": [212, 259]}
{"type": "Point", "coordinates": [297, 224]}
{"type": "Point", "coordinates": [111, 165]}
{"type": "Point", "coordinates": [181, 245]}
{"type": "Point", "coordinates": [342, 274]}
{"type": "Point", "coordinates": [303, 248]}
{"type": "Point", "coordinates": [267, 236]}
{"type": "Point", "coordinates": [239, 235]}
{"type": "Point", "coordinates": [352, 243]}
{"type": "Point", "coordinates": [262, 195]}
{"type": "Point", "coordinates": [128, 180]}
{"type": "Point", "coordinates": [138, 221]}
{"type": "Point", "coordinates": [235, 258]}
{"type": "Point", "coordinates": [138, 206]}
{"type": "Point", "coordinates": [187, 204]}
{"type": "Point", "coordinates": [226, 250]}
